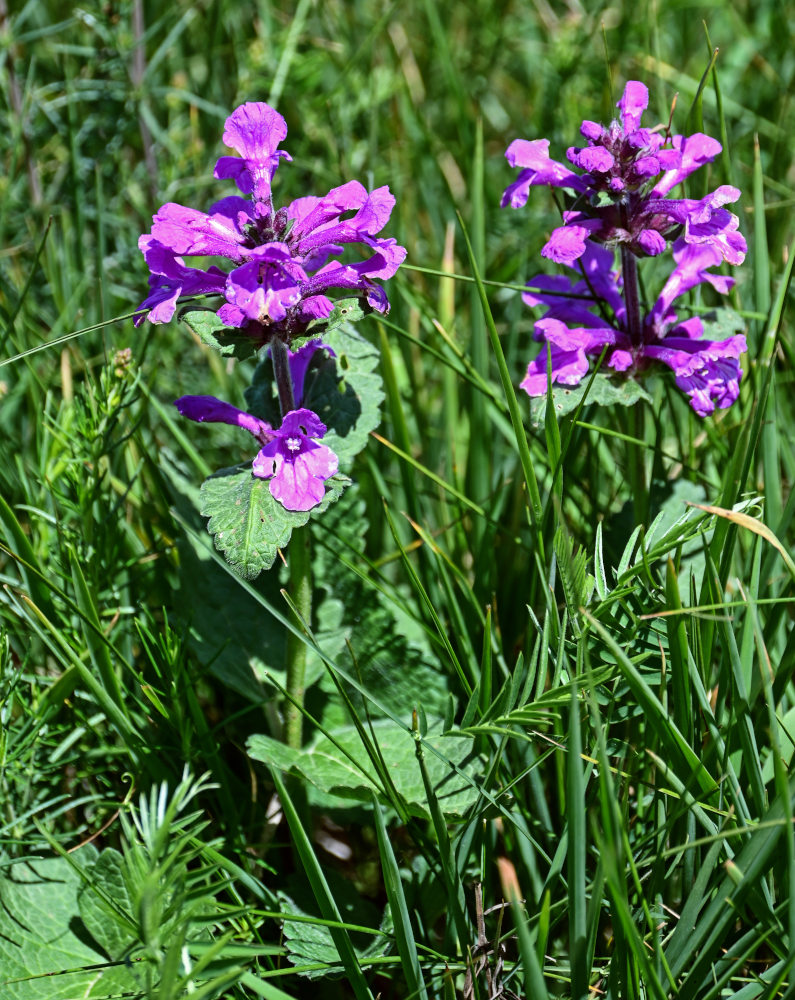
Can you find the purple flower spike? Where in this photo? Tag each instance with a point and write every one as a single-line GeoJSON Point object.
{"type": "Point", "coordinates": [708, 371]}
{"type": "Point", "coordinates": [296, 464]}
{"type": "Point", "coordinates": [281, 259]}
{"type": "Point", "coordinates": [621, 202]}
{"type": "Point", "coordinates": [621, 196]}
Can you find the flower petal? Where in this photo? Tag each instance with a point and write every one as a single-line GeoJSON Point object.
{"type": "Point", "coordinates": [540, 169]}
{"type": "Point", "coordinates": [265, 288]}
{"type": "Point", "coordinates": [592, 158]}
{"type": "Point", "coordinates": [372, 215]}
{"type": "Point", "coordinates": [633, 103]}
{"type": "Point", "coordinates": [567, 243]}
{"type": "Point", "coordinates": [254, 130]}
{"type": "Point", "coordinates": [693, 152]}
{"type": "Point", "coordinates": [567, 368]}
{"type": "Point", "coordinates": [296, 465]}
{"type": "Point", "coordinates": [299, 363]}
{"type": "Point", "coordinates": [170, 279]}
{"type": "Point", "coordinates": [208, 409]}
{"type": "Point", "coordinates": [196, 234]}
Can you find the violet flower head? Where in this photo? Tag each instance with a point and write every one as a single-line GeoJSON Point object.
{"type": "Point", "coordinates": [620, 197]}
{"type": "Point", "coordinates": [282, 260]}
{"type": "Point", "coordinates": [707, 371]}
{"type": "Point", "coordinates": [291, 457]}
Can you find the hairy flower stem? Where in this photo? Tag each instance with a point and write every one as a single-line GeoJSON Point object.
{"type": "Point", "coordinates": [636, 457]}
{"type": "Point", "coordinates": [629, 269]}
{"type": "Point", "coordinates": [300, 565]}
{"type": "Point", "coordinates": [281, 372]}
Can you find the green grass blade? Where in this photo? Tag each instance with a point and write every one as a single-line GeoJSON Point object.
{"type": "Point", "coordinates": [536, 508]}
{"type": "Point", "coordinates": [404, 933]}
{"type": "Point", "coordinates": [577, 899]}
{"type": "Point", "coordinates": [322, 893]}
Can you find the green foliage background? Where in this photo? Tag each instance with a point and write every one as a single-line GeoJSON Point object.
{"type": "Point", "coordinates": [594, 711]}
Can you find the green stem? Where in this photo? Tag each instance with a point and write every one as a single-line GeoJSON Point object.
{"type": "Point", "coordinates": [629, 269]}
{"type": "Point", "coordinates": [636, 465]}
{"type": "Point", "coordinates": [281, 372]}
{"type": "Point", "coordinates": [300, 566]}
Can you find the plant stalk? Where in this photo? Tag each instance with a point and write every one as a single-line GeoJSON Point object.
{"type": "Point", "coordinates": [629, 269]}
{"type": "Point", "coordinates": [281, 372]}
{"type": "Point", "coordinates": [300, 566]}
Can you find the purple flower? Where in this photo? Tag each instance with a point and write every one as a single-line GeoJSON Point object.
{"type": "Point", "coordinates": [296, 463]}
{"type": "Point", "coordinates": [170, 279]}
{"type": "Point", "coordinates": [291, 457]}
{"type": "Point", "coordinates": [621, 197]}
{"type": "Point", "coordinates": [282, 260]}
{"type": "Point", "coordinates": [707, 371]}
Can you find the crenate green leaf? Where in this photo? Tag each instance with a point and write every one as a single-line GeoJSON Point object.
{"type": "Point", "coordinates": [230, 342]}
{"type": "Point", "coordinates": [248, 524]}
{"type": "Point", "coordinates": [722, 323]}
{"type": "Point", "coordinates": [325, 764]}
{"type": "Point", "coordinates": [103, 911]}
{"type": "Point", "coordinates": [392, 652]}
{"type": "Point", "coordinates": [310, 943]}
{"type": "Point", "coordinates": [604, 391]}
{"type": "Point", "coordinates": [350, 310]}
{"type": "Point", "coordinates": [47, 950]}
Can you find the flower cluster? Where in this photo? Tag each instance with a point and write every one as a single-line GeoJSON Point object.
{"type": "Point", "coordinates": [283, 264]}
{"type": "Point", "coordinates": [622, 201]}
{"type": "Point", "coordinates": [282, 258]}
{"type": "Point", "coordinates": [708, 371]}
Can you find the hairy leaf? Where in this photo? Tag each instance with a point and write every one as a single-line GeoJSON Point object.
{"type": "Point", "coordinates": [310, 943]}
{"type": "Point", "coordinates": [248, 524]}
{"type": "Point", "coordinates": [351, 775]}
{"type": "Point", "coordinates": [231, 342]}
{"type": "Point", "coordinates": [604, 391]}
{"type": "Point", "coordinates": [46, 947]}
{"type": "Point", "coordinates": [390, 648]}
{"type": "Point", "coordinates": [350, 310]}
{"type": "Point", "coordinates": [103, 912]}
{"type": "Point", "coordinates": [722, 323]}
